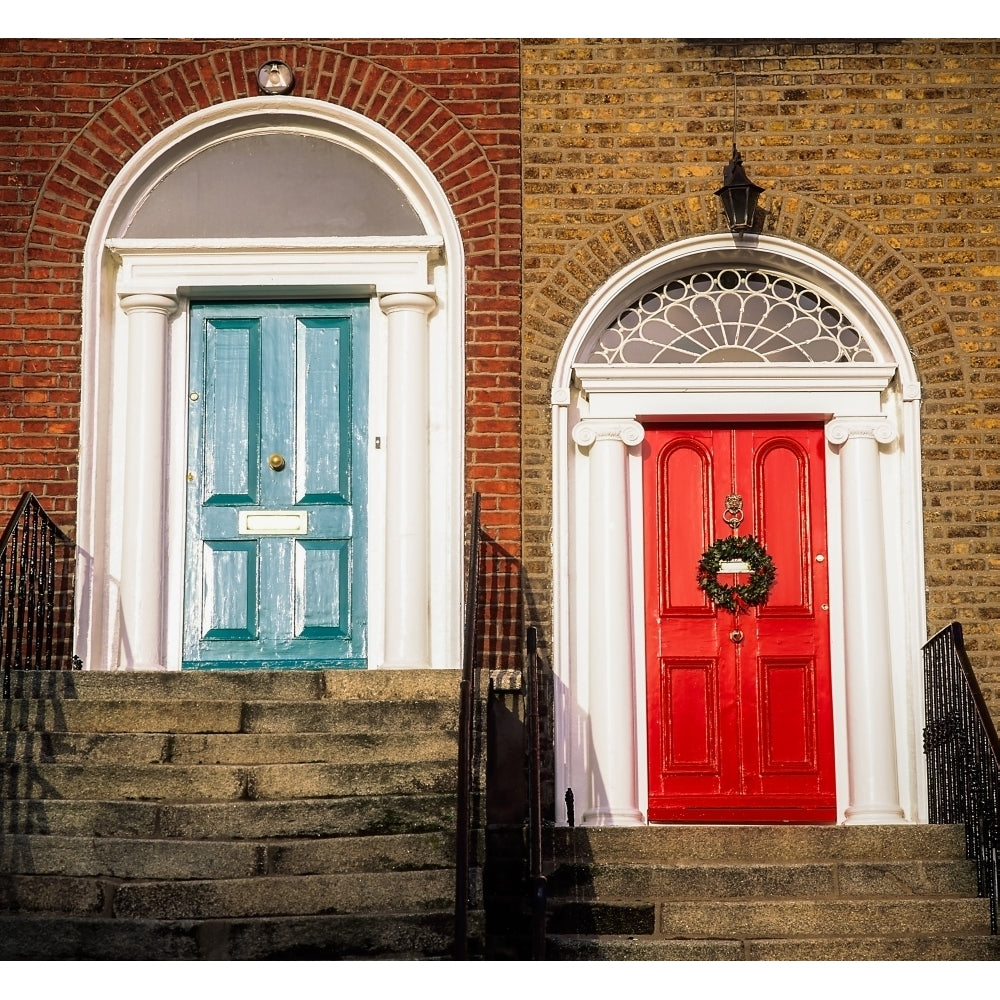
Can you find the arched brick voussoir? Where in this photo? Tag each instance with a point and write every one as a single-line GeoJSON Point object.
{"type": "Point", "coordinates": [915, 305]}
{"type": "Point", "coordinates": [74, 186]}
{"type": "Point", "coordinates": [598, 257]}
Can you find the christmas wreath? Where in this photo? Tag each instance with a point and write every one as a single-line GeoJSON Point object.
{"type": "Point", "coordinates": [737, 548]}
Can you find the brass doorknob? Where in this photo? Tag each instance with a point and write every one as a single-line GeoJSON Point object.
{"type": "Point", "coordinates": [277, 462]}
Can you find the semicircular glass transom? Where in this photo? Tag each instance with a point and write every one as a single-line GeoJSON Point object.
{"type": "Point", "coordinates": [731, 316]}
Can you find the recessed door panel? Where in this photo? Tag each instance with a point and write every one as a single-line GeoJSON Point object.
{"type": "Point", "coordinates": [323, 587]}
{"type": "Point", "coordinates": [231, 407]}
{"type": "Point", "coordinates": [782, 474]}
{"type": "Point", "coordinates": [686, 488]}
{"type": "Point", "coordinates": [230, 597]}
{"type": "Point", "coordinates": [739, 705]}
{"type": "Point", "coordinates": [691, 734]}
{"type": "Point", "coordinates": [787, 688]}
{"type": "Point", "coordinates": [324, 432]}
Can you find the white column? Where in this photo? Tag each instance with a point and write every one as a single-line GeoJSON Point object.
{"type": "Point", "coordinates": [407, 571]}
{"type": "Point", "coordinates": [874, 787]}
{"type": "Point", "coordinates": [143, 535]}
{"type": "Point", "coordinates": [610, 652]}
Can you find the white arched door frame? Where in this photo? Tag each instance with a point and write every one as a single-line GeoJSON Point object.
{"type": "Point", "coordinates": [871, 414]}
{"type": "Point", "coordinates": [133, 412]}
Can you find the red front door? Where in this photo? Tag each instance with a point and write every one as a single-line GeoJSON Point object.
{"type": "Point", "coordinates": [738, 731]}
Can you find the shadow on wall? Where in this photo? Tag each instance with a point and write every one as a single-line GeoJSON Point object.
{"type": "Point", "coordinates": [506, 610]}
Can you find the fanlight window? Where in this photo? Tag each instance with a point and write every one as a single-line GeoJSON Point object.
{"type": "Point", "coordinates": [731, 316]}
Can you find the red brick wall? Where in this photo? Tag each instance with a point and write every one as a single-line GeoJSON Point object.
{"type": "Point", "coordinates": [75, 111]}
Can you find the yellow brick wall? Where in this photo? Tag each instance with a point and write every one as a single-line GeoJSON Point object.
{"type": "Point", "coordinates": [885, 156]}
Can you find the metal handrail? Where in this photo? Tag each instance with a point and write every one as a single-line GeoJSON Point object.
{"type": "Point", "coordinates": [538, 883]}
{"type": "Point", "coordinates": [466, 724]}
{"type": "Point", "coordinates": [963, 757]}
{"type": "Point", "coordinates": [36, 594]}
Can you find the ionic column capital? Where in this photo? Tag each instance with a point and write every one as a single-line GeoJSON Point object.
{"type": "Point", "coordinates": [878, 429]}
{"type": "Point", "coordinates": [166, 305]}
{"type": "Point", "coordinates": [407, 302]}
{"type": "Point", "coordinates": [628, 432]}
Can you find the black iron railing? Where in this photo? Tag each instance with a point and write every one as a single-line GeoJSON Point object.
{"type": "Point", "coordinates": [963, 757]}
{"type": "Point", "coordinates": [36, 593]}
{"type": "Point", "coordinates": [537, 881]}
{"type": "Point", "coordinates": [466, 739]}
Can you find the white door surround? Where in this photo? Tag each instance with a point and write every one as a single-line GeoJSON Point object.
{"type": "Point", "coordinates": [871, 414]}
{"type": "Point", "coordinates": [133, 414]}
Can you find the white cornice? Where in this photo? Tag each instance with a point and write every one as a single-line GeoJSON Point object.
{"type": "Point", "coordinates": [763, 378]}
{"type": "Point", "coordinates": [298, 266]}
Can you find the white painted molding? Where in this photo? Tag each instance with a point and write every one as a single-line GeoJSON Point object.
{"type": "Point", "coordinates": [143, 546]}
{"type": "Point", "coordinates": [429, 263]}
{"type": "Point", "coordinates": [611, 641]}
{"type": "Point", "coordinates": [882, 396]}
{"type": "Point", "coordinates": [408, 486]}
{"type": "Point", "coordinates": [751, 378]}
{"type": "Point", "coordinates": [296, 265]}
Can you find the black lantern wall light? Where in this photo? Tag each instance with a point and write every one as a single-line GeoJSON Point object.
{"type": "Point", "coordinates": [738, 193]}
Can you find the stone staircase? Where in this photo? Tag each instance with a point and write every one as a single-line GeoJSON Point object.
{"type": "Point", "coordinates": [229, 815]}
{"type": "Point", "coordinates": [718, 893]}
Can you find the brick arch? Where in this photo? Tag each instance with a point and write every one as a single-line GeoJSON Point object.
{"type": "Point", "coordinates": [551, 308]}
{"type": "Point", "coordinates": [78, 180]}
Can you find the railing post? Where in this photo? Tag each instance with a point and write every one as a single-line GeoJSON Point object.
{"type": "Point", "coordinates": [539, 888]}
{"type": "Point", "coordinates": [466, 722]}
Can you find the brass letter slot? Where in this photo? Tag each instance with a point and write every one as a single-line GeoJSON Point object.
{"type": "Point", "coordinates": [274, 522]}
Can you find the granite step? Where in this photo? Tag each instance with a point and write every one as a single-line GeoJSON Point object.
{"type": "Point", "coordinates": [237, 685]}
{"type": "Point", "coordinates": [240, 820]}
{"type": "Point", "coordinates": [780, 844]}
{"type": "Point", "coordinates": [228, 748]}
{"type": "Point", "coordinates": [219, 782]}
{"type": "Point", "coordinates": [202, 859]}
{"type": "Point", "coordinates": [765, 893]}
{"type": "Point", "coordinates": [806, 879]}
{"type": "Point", "coordinates": [382, 936]}
{"type": "Point", "coordinates": [208, 716]}
{"type": "Point", "coordinates": [380, 891]}
{"type": "Point", "coordinates": [230, 815]}
{"type": "Point", "coordinates": [880, 949]}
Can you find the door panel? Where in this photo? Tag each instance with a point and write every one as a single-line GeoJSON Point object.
{"type": "Point", "coordinates": [323, 417]}
{"type": "Point", "coordinates": [689, 695]}
{"type": "Point", "coordinates": [230, 603]}
{"type": "Point", "coordinates": [788, 717]}
{"type": "Point", "coordinates": [738, 731]}
{"type": "Point", "coordinates": [231, 395]}
{"type": "Point", "coordinates": [275, 571]}
{"type": "Point", "coordinates": [686, 499]}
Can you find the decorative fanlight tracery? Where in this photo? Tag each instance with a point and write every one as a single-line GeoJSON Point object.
{"type": "Point", "coordinates": [731, 316]}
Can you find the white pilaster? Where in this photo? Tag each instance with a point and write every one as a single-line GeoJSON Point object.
{"type": "Point", "coordinates": [610, 646]}
{"type": "Point", "coordinates": [874, 785]}
{"type": "Point", "coordinates": [407, 574]}
{"type": "Point", "coordinates": [143, 543]}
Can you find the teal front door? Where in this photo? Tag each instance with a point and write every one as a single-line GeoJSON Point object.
{"type": "Point", "coordinates": [275, 572]}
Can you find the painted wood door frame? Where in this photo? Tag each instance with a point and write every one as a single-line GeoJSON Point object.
{"type": "Point", "coordinates": [131, 286]}
{"type": "Point", "coordinates": [871, 413]}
